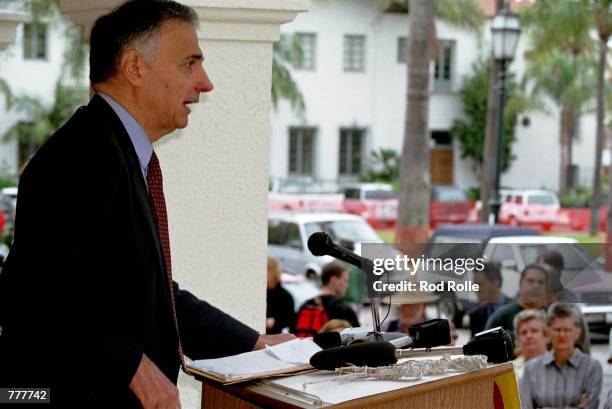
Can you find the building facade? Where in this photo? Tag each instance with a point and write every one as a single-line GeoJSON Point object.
{"type": "Point", "coordinates": [353, 74]}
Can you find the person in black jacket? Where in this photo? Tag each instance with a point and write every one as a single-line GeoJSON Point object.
{"type": "Point", "coordinates": [280, 313]}
{"type": "Point", "coordinates": [88, 306]}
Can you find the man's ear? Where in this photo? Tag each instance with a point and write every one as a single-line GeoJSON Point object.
{"type": "Point", "coordinates": [133, 67]}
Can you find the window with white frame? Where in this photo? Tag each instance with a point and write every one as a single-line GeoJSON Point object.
{"type": "Point", "coordinates": [351, 151]}
{"type": "Point", "coordinates": [306, 59]}
{"type": "Point", "coordinates": [402, 50]}
{"type": "Point", "coordinates": [302, 150]}
{"type": "Point", "coordinates": [443, 72]}
{"type": "Point", "coordinates": [354, 53]}
{"type": "Point", "coordinates": [35, 41]}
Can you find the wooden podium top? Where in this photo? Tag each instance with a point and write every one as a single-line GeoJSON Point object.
{"type": "Point", "coordinates": [465, 390]}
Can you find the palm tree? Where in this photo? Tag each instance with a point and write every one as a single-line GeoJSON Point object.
{"type": "Point", "coordinates": [570, 84]}
{"type": "Point", "coordinates": [414, 189]}
{"type": "Point", "coordinates": [559, 31]}
{"type": "Point", "coordinates": [41, 121]}
{"type": "Point", "coordinates": [285, 51]}
{"type": "Point", "coordinates": [601, 16]}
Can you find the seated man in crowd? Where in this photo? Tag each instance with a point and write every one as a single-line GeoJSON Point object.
{"type": "Point", "coordinates": [532, 295]}
{"type": "Point", "coordinates": [280, 311]}
{"type": "Point", "coordinates": [556, 290]}
{"type": "Point", "coordinates": [314, 313]}
{"type": "Point", "coordinates": [529, 327]}
{"type": "Point", "coordinates": [564, 377]}
{"type": "Point", "coordinates": [490, 298]}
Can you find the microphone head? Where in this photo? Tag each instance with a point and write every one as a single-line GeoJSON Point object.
{"type": "Point", "coordinates": [496, 344]}
{"type": "Point", "coordinates": [328, 339]}
{"type": "Point", "coordinates": [430, 333]}
{"type": "Point", "coordinates": [319, 243]}
{"type": "Point", "coordinates": [360, 354]}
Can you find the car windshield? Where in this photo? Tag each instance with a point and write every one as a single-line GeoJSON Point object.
{"type": "Point", "coordinates": [449, 195]}
{"type": "Point", "coordinates": [541, 199]}
{"type": "Point", "coordinates": [574, 257]}
{"type": "Point", "coordinates": [380, 194]}
{"type": "Point", "coordinates": [356, 231]}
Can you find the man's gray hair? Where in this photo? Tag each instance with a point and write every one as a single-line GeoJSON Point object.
{"type": "Point", "coordinates": [528, 315]}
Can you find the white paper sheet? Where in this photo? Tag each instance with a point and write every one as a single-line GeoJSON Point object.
{"type": "Point", "coordinates": [282, 356]}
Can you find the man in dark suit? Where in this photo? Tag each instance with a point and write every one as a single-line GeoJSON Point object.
{"type": "Point", "coordinates": [490, 297]}
{"type": "Point", "coordinates": [88, 306]}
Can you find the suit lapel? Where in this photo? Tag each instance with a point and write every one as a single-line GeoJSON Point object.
{"type": "Point", "coordinates": [120, 137]}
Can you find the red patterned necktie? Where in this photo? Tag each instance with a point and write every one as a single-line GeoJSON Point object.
{"type": "Point", "coordinates": [156, 189]}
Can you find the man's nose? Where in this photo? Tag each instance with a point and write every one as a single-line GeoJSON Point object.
{"type": "Point", "coordinates": [204, 83]}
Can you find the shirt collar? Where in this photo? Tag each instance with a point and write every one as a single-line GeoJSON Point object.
{"type": "Point", "coordinates": [549, 358]}
{"type": "Point", "coordinates": [139, 138]}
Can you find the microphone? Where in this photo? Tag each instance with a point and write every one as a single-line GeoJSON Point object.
{"type": "Point", "coordinates": [320, 244]}
{"type": "Point", "coordinates": [361, 354]}
{"type": "Point", "coordinates": [428, 334]}
{"type": "Point", "coordinates": [496, 344]}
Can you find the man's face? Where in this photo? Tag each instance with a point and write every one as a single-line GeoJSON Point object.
{"type": "Point", "coordinates": [341, 283]}
{"type": "Point", "coordinates": [531, 338]}
{"type": "Point", "coordinates": [533, 287]}
{"type": "Point", "coordinates": [488, 290]}
{"type": "Point", "coordinates": [175, 78]}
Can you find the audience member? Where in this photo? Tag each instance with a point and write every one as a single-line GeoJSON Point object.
{"type": "Point", "coordinates": [563, 377]}
{"type": "Point", "coordinates": [556, 291]}
{"type": "Point", "coordinates": [490, 298]}
{"type": "Point", "coordinates": [410, 310]}
{"type": "Point", "coordinates": [314, 313]}
{"type": "Point", "coordinates": [529, 327]}
{"type": "Point", "coordinates": [532, 295]}
{"type": "Point", "coordinates": [280, 310]}
{"type": "Point", "coordinates": [335, 326]}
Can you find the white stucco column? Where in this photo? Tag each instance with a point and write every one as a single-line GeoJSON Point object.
{"type": "Point", "coordinates": [216, 170]}
{"type": "Point", "coordinates": [9, 20]}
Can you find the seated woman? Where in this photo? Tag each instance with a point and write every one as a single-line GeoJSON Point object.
{"type": "Point", "coordinates": [280, 312]}
{"type": "Point", "coordinates": [565, 376]}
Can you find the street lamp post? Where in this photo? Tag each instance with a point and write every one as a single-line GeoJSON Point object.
{"type": "Point", "coordinates": [505, 31]}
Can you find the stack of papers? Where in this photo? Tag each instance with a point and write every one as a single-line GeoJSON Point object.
{"type": "Point", "coordinates": [281, 359]}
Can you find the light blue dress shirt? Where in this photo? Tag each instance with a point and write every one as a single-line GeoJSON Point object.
{"type": "Point", "coordinates": [139, 138]}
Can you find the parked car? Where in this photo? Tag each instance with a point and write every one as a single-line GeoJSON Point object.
{"type": "Point", "coordinates": [526, 207]}
{"type": "Point", "coordinates": [304, 194]}
{"type": "Point", "coordinates": [530, 207]}
{"type": "Point", "coordinates": [375, 202]}
{"type": "Point", "coordinates": [448, 205]}
{"type": "Point", "coordinates": [8, 205]}
{"type": "Point", "coordinates": [288, 234]}
{"type": "Point", "coordinates": [515, 247]}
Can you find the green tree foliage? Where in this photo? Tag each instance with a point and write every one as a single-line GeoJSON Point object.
{"type": "Point", "coordinates": [471, 132]}
{"type": "Point", "coordinates": [382, 166]}
{"type": "Point", "coordinates": [42, 120]}
{"type": "Point", "coordinates": [286, 50]}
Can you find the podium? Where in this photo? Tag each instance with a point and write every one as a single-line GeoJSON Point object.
{"type": "Point", "coordinates": [492, 387]}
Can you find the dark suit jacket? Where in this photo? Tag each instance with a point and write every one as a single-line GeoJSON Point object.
{"type": "Point", "coordinates": [84, 290]}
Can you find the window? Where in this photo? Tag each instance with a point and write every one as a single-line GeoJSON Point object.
{"type": "Point", "coordinates": [354, 53]}
{"type": "Point", "coordinates": [443, 72]}
{"type": "Point", "coordinates": [35, 41]}
{"type": "Point", "coordinates": [351, 149]}
{"type": "Point", "coordinates": [402, 50]}
{"type": "Point", "coordinates": [306, 59]}
{"type": "Point", "coordinates": [301, 151]}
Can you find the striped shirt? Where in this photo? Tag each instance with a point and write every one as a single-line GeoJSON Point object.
{"type": "Point", "coordinates": [545, 385]}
